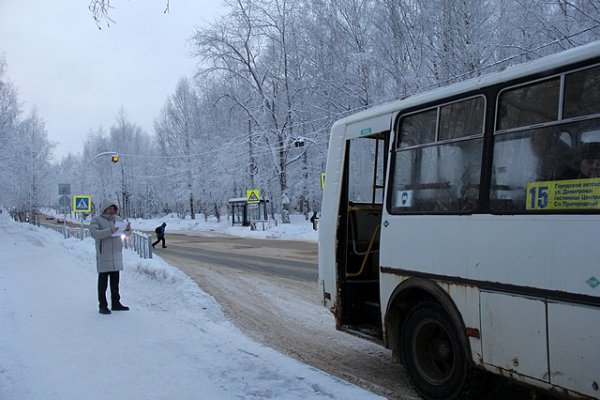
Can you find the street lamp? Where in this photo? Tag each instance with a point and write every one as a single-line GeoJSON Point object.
{"type": "Point", "coordinates": [114, 158]}
{"type": "Point", "coordinates": [300, 142]}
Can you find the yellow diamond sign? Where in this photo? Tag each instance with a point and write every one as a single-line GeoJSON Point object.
{"type": "Point", "coordinates": [252, 196]}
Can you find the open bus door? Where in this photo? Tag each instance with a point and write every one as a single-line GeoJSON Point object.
{"type": "Point", "coordinates": [357, 253]}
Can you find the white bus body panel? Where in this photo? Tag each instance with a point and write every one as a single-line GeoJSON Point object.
{"type": "Point", "coordinates": [495, 250]}
{"type": "Point", "coordinates": [574, 337]}
{"type": "Point", "coordinates": [513, 331]}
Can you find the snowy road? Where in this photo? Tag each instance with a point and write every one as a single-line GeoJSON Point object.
{"type": "Point", "coordinates": [275, 305]}
{"type": "Point", "coordinates": [281, 309]}
{"type": "Point", "coordinates": [286, 259]}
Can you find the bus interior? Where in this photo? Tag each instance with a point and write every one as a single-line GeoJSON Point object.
{"type": "Point", "coordinates": [361, 204]}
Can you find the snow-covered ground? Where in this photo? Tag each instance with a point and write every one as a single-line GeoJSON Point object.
{"type": "Point", "coordinates": [299, 229]}
{"type": "Point", "coordinates": [175, 343]}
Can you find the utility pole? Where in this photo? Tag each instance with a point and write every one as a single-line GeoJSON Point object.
{"type": "Point", "coordinates": [251, 163]}
{"type": "Point", "coordinates": [192, 213]}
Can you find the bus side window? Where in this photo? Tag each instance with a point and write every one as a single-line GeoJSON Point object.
{"type": "Point", "coordinates": [555, 155]}
{"type": "Point", "coordinates": [437, 165]}
{"type": "Point", "coordinates": [529, 156]}
{"type": "Point", "coordinates": [441, 178]}
{"type": "Point", "coordinates": [441, 172]}
{"type": "Point", "coordinates": [514, 165]}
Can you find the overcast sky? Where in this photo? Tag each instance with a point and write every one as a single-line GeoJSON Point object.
{"type": "Point", "coordinates": [79, 77]}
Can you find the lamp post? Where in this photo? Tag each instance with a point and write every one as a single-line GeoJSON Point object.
{"type": "Point", "coordinates": [299, 142]}
{"type": "Point", "coordinates": [114, 158]}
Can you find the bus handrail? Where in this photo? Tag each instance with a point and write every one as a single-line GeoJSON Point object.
{"type": "Point", "coordinates": [364, 262]}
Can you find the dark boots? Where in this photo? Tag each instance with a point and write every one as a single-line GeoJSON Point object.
{"type": "Point", "coordinates": [119, 307]}
{"type": "Point", "coordinates": [104, 310]}
{"type": "Point", "coordinates": [103, 279]}
{"type": "Point", "coordinates": [115, 307]}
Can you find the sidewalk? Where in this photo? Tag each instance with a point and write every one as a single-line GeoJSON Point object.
{"type": "Point", "coordinates": [175, 343]}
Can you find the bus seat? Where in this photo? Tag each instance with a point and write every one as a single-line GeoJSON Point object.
{"type": "Point", "coordinates": [362, 223]}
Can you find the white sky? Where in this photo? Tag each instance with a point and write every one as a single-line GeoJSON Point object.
{"type": "Point", "coordinates": [174, 343]}
{"type": "Point", "coordinates": [79, 77]}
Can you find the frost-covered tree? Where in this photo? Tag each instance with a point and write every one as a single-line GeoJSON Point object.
{"type": "Point", "coordinates": [128, 140]}
{"type": "Point", "coordinates": [32, 163]}
{"type": "Point", "coordinates": [178, 136]}
{"type": "Point", "coordinates": [275, 74]}
{"type": "Point", "coordinates": [257, 47]}
{"type": "Point", "coordinates": [9, 114]}
{"type": "Point", "coordinates": [126, 181]}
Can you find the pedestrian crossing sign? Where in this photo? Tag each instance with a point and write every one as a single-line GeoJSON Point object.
{"type": "Point", "coordinates": [82, 203]}
{"type": "Point", "coordinates": [252, 196]}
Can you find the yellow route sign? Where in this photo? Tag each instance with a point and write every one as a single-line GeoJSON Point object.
{"type": "Point", "coordinates": [573, 194]}
{"type": "Point", "coordinates": [322, 180]}
{"type": "Point", "coordinates": [252, 196]}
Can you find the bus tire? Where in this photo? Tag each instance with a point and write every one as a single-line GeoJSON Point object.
{"type": "Point", "coordinates": [434, 355]}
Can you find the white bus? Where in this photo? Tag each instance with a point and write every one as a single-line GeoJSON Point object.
{"type": "Point", "coordinates": [461, 228]}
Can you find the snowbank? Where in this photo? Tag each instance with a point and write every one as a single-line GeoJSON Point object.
{"type": "Point", "coordinates": [175, 343]}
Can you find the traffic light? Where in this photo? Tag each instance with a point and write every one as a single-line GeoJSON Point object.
{"type": "Point", "coordinates": [115, 158]}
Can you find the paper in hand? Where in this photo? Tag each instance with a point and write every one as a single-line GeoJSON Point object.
{"type": "Point", "coordinates": [121, 225]}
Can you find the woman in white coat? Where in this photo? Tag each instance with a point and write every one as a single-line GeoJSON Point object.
{"type": "Point", "coordinates": [109, 256]}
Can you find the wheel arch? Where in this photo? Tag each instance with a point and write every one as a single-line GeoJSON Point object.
{"type": "Point", "coordinates": [408, 295]}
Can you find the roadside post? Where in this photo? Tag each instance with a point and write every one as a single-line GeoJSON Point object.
{"type": "Point", "coordinates": [252, 200]}
{"type": "Point", "coordinates": [64, 202]}
{"type": "Point", "coordinates": [82, 204]}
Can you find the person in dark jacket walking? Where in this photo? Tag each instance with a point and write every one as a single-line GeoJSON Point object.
{"type": "Point", "coordinates": [109, 255]}
{"type": "Point", "coordinates": [314, 220]}
{"type": "Point", "coordinates": [160, 235]}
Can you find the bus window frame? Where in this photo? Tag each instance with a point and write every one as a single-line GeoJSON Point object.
{"type": "Point", "coordinates": [395, 148]}
{"type": "Point", "coordinates": [562, 75]}
{"type": "Point", "coordinates": [560, 121]}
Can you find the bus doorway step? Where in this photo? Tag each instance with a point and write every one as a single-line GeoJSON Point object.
{"type": "Point", "coordinates": [364, 331]}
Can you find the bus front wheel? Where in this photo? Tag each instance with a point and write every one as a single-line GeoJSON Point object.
{"type": "Point", "coordinates": [434, 355]}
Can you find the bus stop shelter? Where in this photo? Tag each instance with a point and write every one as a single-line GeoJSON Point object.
{"type": "Point", "coordinates": [244, 214]}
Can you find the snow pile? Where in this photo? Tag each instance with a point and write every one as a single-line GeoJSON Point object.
{"type": "Point", "coordinates": [299, 229]}
{"type": "Point", "coordinates": [175, 343]}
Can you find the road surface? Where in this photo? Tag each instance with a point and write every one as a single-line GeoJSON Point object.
{"type": "Point", "coordinates": [268, 288]}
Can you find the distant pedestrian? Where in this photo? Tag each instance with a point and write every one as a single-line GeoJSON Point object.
{"type": "Point", "coordinates": [109, 255]}
{"type": "Point", "coordinates": [160, 235]}
{"type": "Point", "coordinates": [314, 220]}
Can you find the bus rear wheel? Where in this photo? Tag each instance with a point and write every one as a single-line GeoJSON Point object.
{"type": "Point", "coordinates": [434, 355]}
